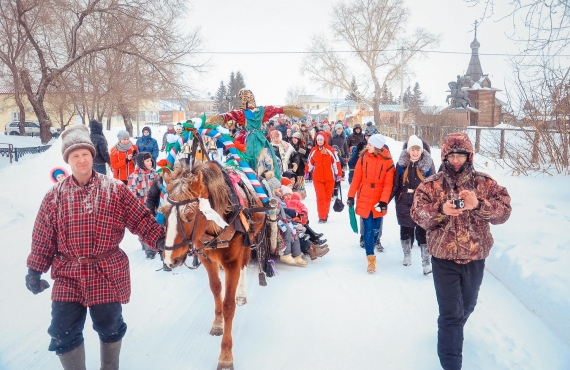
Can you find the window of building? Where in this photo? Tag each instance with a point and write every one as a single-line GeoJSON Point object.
{"type": "Point", "coordinates": [15, 116]}
{"type": "Point", "coordinates": [142, 116]}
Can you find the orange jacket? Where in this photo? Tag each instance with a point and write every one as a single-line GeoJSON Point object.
{"type": "Point", "coordinates": [121, 168]}
{"type": "Point", "coordinates": [324, 164]}
{"type": "Point", "coordinates": [373, 180]}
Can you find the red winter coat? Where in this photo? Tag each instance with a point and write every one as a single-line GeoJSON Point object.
{"type": "Point", "coordinates": [324, 164]}
{"type": "Point", "coordinates": [121, 167]}
{"type": "Point", "coordinates": [88, 221]}
{"type": "Point", "coordinates": [373, 180]}
{"type": "Point", "coordinates": [295, 203]}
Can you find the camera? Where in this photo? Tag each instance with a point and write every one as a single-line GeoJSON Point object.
{"type": "Point", "coordinates": [459, 203]}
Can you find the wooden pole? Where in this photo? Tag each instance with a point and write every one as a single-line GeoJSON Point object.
{"type": "Point", "coordinates": [477, 140]}
{"type": "Point", "coordinates": [502, 150]}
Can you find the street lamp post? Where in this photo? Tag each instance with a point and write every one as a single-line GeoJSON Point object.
{"type": "Point", "coordinates": [229, 99]}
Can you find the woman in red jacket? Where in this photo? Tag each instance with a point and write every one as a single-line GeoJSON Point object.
{"type": "Point", "coordinates": [122, 157]}
{"type": "Point", "coordinates": [326, 170]}
{"type": "Point", "coordinates": [373, 180]}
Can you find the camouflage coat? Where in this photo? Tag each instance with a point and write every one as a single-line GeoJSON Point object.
{"type": "Point", "coordinates": [466, 237]}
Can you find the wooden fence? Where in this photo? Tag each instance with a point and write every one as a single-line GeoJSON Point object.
{"type": "Point", "coordinates": [434, 135]}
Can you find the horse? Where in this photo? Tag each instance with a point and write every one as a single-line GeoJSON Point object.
{"type": "Point", "coordinates": [202, 219]}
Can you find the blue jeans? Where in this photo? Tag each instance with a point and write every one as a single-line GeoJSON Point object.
{"type": "Point", "coordinates": [371, 228]}
{"type": "Point", "coordinates": [100, 168]}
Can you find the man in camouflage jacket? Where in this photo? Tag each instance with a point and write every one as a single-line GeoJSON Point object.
{"type": "Point", "coordinates": [459, 240]}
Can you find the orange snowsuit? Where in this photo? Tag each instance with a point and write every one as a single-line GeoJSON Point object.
{"type": "Point", "coordinates": [326, 167]}
{"type": "Point", "coordinates": [373, 180]}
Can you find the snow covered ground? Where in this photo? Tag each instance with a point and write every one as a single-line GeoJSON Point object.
{"type": "Point", "coordinates": [329, 315]}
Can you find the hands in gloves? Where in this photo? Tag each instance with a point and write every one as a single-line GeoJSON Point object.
{"type": "Point", "coordinates": [34, 283]}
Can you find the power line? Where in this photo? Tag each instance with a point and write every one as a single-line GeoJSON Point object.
{"type": "Point", "coordinates": [387, 50]}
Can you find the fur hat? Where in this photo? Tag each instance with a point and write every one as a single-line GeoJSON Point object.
{"type": "Point", "coordinates": [141, 157]}
{"type": "Point", "coordinates": [415, 141]}
{"type": "Point", "coordinates": [286, 190]}
{"type": "Point", "coordinates": [297, 135]}
{"type": "Point", "coordinates": [457, 142]}
{"type": "Point", "coordinates": [377, 140]}
{"type": "Point", "coordinates": [339, 125]}
{"type": "Point", "coordinates": [76, 137]}
{"type": "Point", "coordinates": [370, 129]}
{"type": "Point", "coordinates": [123, 135]}
{"type": "Point", "coordinates": [170, 124]}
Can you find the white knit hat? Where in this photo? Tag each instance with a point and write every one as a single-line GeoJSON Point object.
{"type": "Point", "coordinates": [415, 141]}
{"type": "Point", "coordinates": [76, 137]}
{"type": "Point", "coordinates": [378, 140]}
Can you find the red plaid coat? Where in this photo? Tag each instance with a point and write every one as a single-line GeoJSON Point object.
{"type": "Point", "coordinates": [86, 221]}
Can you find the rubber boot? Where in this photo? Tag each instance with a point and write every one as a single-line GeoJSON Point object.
{"type": "Point", "coordinates": [371, 264]}
{"type": "Point", "coordinates": [407, 248]}
{"type": "Point", "coordinates": [110, 355]}
{"type": "Point", "coordinates": [74, 360]}
{"type": "Point", "coordinates": [426, 263]}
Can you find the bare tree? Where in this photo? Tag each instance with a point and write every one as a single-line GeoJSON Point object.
{"type": "Point", "coordinates": [294, 95]}
{"type": "Point", "coordinates": [67, 31]}
{"type": "Point", "coordinates": [12, 53]}
{"type": "Point", "coordinates": [374, 30]}
{"type": "Point", "coordinates": [546, 23]}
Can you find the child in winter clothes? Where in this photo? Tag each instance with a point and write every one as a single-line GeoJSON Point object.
{"type": "Point", "coordinates": [121, 157]}
{"type": "Point", "coordinates": [58, 174]}
{"type": "Point", "coordinates": [415, 164]}
{"type": "Point", "coordinates": [372, 181]}
{"type": "Point", "coordinates": [139, 184]}
{"type": "Point", "coordinates": [291, 254]}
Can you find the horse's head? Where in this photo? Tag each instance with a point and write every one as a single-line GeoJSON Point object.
{"type": "Point", "coordinates": [182, 215]}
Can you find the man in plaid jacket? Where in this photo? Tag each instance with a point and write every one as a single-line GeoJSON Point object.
{"type": "Point", "coordinates": [77, 232]}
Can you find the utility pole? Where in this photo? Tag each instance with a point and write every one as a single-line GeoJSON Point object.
{"type": "Point", "coordinates": [401, 95]}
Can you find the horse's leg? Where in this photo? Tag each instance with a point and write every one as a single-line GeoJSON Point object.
{"type": "Point", "coordinates": [232, 272]}
{"type": "Point", "coordinates": [241, 293]}
{"type": "Point", "coordinates": [216, 288]}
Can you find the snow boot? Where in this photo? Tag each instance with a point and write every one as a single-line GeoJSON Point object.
{"type": "Point", "coordinates": [110, 355]}
{"type": "Point", "coordinates": [407, 248]}
{"type": "Point", "coordinates": [426, 263]}
{"type": "Point", "coordinates": [312, 252]}
{"type": "Point", "coordinates": [371, 264]}
{"type": "Point", "coordinates": [74, 360]}
{"type": "Point", "coordinates": [379, 246]}
{"type": "Point", "coordinates": [288, 259]}
{"type": "Point", "coordinates": [300, 261]}
{"type": "Point", "coordinates": [320, 241]}
{"type": "Point", "coordinates": [321, 250]}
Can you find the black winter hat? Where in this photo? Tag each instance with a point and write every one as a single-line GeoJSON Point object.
{"type": "Point", "coordinates": [141, 157]}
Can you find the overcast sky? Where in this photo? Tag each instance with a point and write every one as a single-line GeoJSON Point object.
{"type": "Point", "coordinates": [271, 26]}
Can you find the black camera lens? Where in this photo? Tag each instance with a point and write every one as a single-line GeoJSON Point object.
{"type": "Point", "coordinates": [459, 203]}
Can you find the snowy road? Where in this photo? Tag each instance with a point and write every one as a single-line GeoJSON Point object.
{"type": "Point", "coordinates": [329, 315]}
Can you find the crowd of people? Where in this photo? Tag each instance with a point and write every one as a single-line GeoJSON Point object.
{"type": "Point", "coordinates": [446, 212]}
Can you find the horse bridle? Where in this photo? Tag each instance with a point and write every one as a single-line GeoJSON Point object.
{"type": "Point", "coordinates": [186, 241]}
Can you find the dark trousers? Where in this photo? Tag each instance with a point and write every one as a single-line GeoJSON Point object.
{"type": "Point", "coordinates": [68, 320]}
{"type": "Point", "coordinates": [456, 288]}
{"type": "Point", "coordinates": [100, 168]}
{"type": "Point", "coordinates": [408, 233]}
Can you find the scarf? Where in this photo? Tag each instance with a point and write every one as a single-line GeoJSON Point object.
{"type": "Point", "coordinates": [123, 148]}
